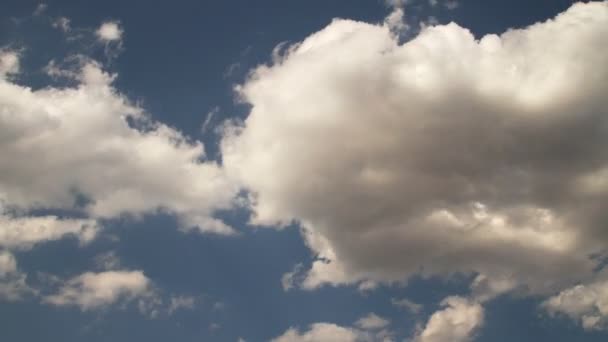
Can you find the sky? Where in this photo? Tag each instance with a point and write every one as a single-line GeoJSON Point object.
{"type": "Point", "coordinates": [299, 171]}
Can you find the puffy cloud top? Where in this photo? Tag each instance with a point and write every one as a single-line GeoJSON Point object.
{"type": "Point", "coordinates": [109, 31]}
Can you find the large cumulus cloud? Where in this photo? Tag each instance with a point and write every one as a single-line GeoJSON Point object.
{"type": "Point", "coordinates": [448, 153]}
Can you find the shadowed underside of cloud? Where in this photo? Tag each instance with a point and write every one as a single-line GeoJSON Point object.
{"type": "Point", "coordinates": [444, 154]}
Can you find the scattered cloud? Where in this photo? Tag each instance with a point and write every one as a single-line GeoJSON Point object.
{"type": "Point", "coordinates": [396, 21]}
{"type": "Point", "coordinates": [584, 303]}
{"type": "Point", "coordinates": [62, 23]}
{"type": "Point", "coordinates": [40, 9]}
{"type": "Point", "coordinates": [9, 63]}
{"type": "Point", "coordinates": [130, 164]}
{"type": "Point", "coordinates": [96, 290]}
{"type": "Point", "coordinates": [319, 332]}
{"type": "Point", "coordinates": [108, 261]}
{"type": "Point", "coordinates": [177, 303]}
{"type": "Point", "coordinates": [25, 232]}
{"type": "Point", "coordinates": [457, 321]}
{"type": "Point", "coordinates": [368, 329]}
{"type": "Point", "coordinates": [407, 304]}
{"type": "Point", "coordinates": [13, 284]}
{"type": "Point", "coordinates": [451, 4]}
{"type": "Point", "coordinates": [109, 31]}
{"type": "Point", "coordinates": [208, 118]}
{"type": "Point", "coordinates": [372, 322]}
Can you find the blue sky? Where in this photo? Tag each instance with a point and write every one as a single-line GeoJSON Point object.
{"type": "Point", "coordinates": [424, 171]}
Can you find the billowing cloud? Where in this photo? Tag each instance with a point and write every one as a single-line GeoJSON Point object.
{"type": "Point", "coordinates": [445, 154]}
{"type": "Point", "coordinates": [95, 290]}
{"type": "Point", "coordinates": [458, 321]}
{"type": "Point", "coordinates": [584, 303]}
{"type": "Point", "coordinates": [88, 148]}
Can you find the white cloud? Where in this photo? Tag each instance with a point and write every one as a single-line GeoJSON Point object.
{"type": "Point", "coordinates": [445, 154]}
{"type": "Point", "coordinates": [486, 288]}
{"type": "Point", "coordinates": [407, 304]}
{"type": "Point", "coordinates": [109, 31]}
{"type": "Point", "coordinates": [585, 303]}
{"type": "Point", "coordinates": [95, 290]}
{"type": "Point", "coordinates": [25, 232]}
{"type": "Point", "coordinates": [181, 303]}
{"type": "Point", "coordinates": [368, 329]}
{"type": "Point", "coordinates": [9, 63]}
{"type": "Point", "coordinates": [13, 284]}
{"type": "Point", "coordinates": [90, 141]}
{"type": "Point", "coordinates": [210, 115]}
{"type": "Point", "coordinates": [372, 322]}
{"type": "Point", "coordinates": [108, 261]}
{"type": "Point", "coordinates": [320, 332]}
{"type": "Point", "coordinates": [458, 321]}
{"type": "Point", "coordinates": [396, 3]}
{"type": "Point", "coordinates": [8, 264]}
{"type": "Point", "coordinates": [396, 21]}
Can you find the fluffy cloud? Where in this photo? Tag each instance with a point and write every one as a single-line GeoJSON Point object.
{"type": "Point", "coordinates": [320, 332]}
{"type": "Point", "coordinates": [109, 31]}
{"type": "Point", "coordinates": [25, 232]}
{"type": "Point", "coordinates": [441, 155]}
{"type": "Point", "coordinates": [94, 290]}
{"type": "Point", "coordinates": [370, 328]}
{"type": "Point", "coordinates": [372, 322]}
{"type": "Point", "coordinates": [60, 145]}
{"type": "Point", "coordinates": [586, 303]}
{"type": "Point", "coordinates": [456, 322]}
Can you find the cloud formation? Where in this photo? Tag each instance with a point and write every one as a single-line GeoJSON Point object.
{"type": "Point", "coordinates": [372, 322]}
{"type": "Point", "coordinates": [13, 284]}
{"type": "Point", "coordinates": [94, 290]}
{"type": "Point", "coordinates": [25, 232]}
{"type": "Point", "coordinates": [584, 303]}
{"type": "Point", "coordinates": [319, 332]}
{"type": "Point", "coordinates": [109, 31]}
{"type": "Point", "coordinates": [63, 145]}
{"type": "Point", "coordinates": [446, 154]}
{"type": "Point", "coordinates": [456, 322]}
